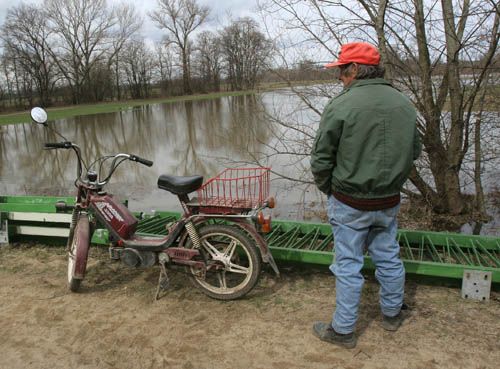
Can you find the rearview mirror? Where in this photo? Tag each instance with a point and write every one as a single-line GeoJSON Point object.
{"type": "Point", "coordinates": [39, 115]}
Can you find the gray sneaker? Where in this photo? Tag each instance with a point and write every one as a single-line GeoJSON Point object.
{"type": "Point", "coordinates": [392, 323]}
{"type": "Point", "coordinates": [325, 332]}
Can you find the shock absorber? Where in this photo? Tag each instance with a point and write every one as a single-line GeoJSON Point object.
{"type": "Point", "coordinates": [195, 238]}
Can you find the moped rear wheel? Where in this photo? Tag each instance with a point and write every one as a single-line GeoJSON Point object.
{"type": "Point", "coordinates": [78, 253]}
{"type": "Point", "coordinates": [233, 263]}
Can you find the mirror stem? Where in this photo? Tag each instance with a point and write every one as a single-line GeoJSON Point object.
{"type": "Point", "coordinates": [57, 133]}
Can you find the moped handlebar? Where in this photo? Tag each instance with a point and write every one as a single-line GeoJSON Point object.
{"type": "Point", "coordinates": [138, 159]}
{"type": "Point", "coordinates": [68, 145]}
{"type": "Point", "coordinates": [116, 160]}
{"type": "Point", "coordinates": [58, 145]}
{"type": "Point", "coordinates": [40, 116]}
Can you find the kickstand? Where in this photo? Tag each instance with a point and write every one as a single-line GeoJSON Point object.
{"type": "Point", "coordinates": [162, 281]}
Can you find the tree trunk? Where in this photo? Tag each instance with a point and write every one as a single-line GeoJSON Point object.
{"type": "Point", "coordinates": [186, 78]}
{"type": "Point", "coordinates": [117, 74]}
{"type": "Point", "coordinates": [455, 200]}
{"type": "Point", "coordinates": [18, 89]}
{"type": "Point", "coordinates": [478, 157]}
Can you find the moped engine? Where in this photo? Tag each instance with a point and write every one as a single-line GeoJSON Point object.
{"type": "Point", "coordinates": [137, 259]}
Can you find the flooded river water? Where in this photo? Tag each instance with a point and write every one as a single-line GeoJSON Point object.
{"type": "Point", "coordinates": [182, 138]}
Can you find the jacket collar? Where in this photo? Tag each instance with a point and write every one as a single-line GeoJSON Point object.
{"type": "Point", "coordinates": [366, 82]}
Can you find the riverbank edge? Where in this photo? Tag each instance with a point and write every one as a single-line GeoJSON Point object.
{"type": "Point", "coordinates": [69, 111]}
{"type": "Point", "coordinates": [115, 106]}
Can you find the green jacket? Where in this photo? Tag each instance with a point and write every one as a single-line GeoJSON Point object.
{"type": "Point", "coordinates": [366, 142]}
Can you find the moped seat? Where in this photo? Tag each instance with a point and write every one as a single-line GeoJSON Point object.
{"type": "Point", "coordinates": [179, 185]}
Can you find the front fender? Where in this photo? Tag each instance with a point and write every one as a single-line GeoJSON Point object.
{"type": "Point", "coordinates": [81, 239]}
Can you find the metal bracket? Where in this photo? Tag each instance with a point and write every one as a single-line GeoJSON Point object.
{"type": "Point", "coordinates": [476, 285]}
{"type": "Point", "coordinates": [4, 229]}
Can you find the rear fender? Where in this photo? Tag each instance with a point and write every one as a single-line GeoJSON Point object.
{"type": "Point", "coordinates": [250, 230]}
{"type": "Point", "coordinates": [267, 257]}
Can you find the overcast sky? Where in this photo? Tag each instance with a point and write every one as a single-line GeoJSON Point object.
{"type": "Point", "coordinates": [219, 10]}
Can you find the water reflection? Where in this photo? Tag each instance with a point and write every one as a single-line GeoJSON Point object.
{"type": "Point", "coordinates": [182, 138]}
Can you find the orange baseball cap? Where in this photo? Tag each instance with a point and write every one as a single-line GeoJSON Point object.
{"type": "Point", "coordinates": [357, 52]}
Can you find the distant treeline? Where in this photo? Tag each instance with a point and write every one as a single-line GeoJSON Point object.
{"type": "Point", "coordinates": [76, 51]}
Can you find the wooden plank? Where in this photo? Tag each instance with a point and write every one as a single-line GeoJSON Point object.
{"type": "Point", "coordinates": [41, 231]}
{"type": "Point", "coordinates": [40, 217]}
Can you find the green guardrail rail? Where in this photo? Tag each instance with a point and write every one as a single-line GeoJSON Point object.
{"type": "Point", "coordinates": [435, 254]}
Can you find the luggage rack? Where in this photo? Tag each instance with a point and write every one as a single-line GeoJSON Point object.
{"type": "Point", "coordinates": [233, 191]}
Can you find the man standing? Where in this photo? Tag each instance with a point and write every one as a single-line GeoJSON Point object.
{"type": "Point", "coordinates": [362, 155]}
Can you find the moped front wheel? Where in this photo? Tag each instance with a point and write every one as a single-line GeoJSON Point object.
{"type": "Point", "coordinates": [78, 252]}
{"type": "Point", "coordinates": [233, 263]}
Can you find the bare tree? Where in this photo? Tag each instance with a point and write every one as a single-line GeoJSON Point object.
{"type": "Point", "coordinates": [138, 65]}
{"type": "Point", "coordinates": [25, 35]}
{"type": "Point", "coordinates": [18, 80]}
{"type": "Point", "coordinates": [440, 53]}
{"type": "Point", "coordinates": [246, 51]}
{"type": "Point", "coordinates": [180, 18]}
{"type": "Point", "coordinates": [88, 33]}
{"type": "Point", "coordinates": [2, 89]}
{"type": "Point", "coordinates": [209, 59]}
{"type": "Point", "coordinates": [8, 90]}
{"type": "Point", "coordinates": [128, 23]}
{"type": "Point", "coordinates": [165, 62]}
{"type": "Point", "coordinates": [7, 77]}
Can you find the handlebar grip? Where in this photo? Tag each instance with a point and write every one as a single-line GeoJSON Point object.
{"type": "Point", "coordinates": [58, 145]}
{"type": "Point", "coordinates": [138, 159]}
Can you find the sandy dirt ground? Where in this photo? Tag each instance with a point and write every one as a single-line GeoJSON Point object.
{"type": "Point", "coordinates": [113, 322]}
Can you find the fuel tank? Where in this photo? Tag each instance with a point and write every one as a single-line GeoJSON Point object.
{"type": "Point", "coordinates": [114, 214]}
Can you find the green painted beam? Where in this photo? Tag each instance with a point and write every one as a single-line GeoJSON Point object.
{"type": "Point", "coordinates": [411, 266]}
{"type": "Point", "coordinates": [32, 204]}
{"type": "Point", "coordinates": [414, 237]}
{"type": "Point", "coordinates": [35, 199]}
{"type": "Point", "coordinates": [437, 254]}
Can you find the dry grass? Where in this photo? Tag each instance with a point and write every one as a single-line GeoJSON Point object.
{"type": "Point", "coordinates": [113, 322]}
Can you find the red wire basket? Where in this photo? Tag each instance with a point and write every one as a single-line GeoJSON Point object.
{"type": "Point", "coordinates": [235, 190]}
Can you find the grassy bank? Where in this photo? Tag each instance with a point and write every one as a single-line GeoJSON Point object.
{"type": "Point", "coordinates": [490, 104]}
{"type": "Point", "coordinates": [69, 111]}
{"type": "Point", "coordinates": [78, 110]}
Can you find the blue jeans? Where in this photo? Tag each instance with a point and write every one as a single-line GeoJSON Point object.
{"type": "Point", "coordinates": [354, 231]}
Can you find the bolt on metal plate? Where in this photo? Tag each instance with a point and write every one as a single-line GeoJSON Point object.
{"type": "Point", "coordinates": [476, 285]}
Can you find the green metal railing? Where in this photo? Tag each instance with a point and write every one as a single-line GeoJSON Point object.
{"type": "Point", "coordinates": [423, 253]}
{"type": "Point", "coordinates": [434, 254]}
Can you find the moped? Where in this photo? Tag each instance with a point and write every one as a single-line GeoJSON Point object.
{"type": "Point", "coordinates": [218, 239]}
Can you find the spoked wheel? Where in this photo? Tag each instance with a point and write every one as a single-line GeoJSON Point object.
{"type": "Point", "coordinates": [233, 263]}
{"type": "Point", "coordinates": [78, 252]}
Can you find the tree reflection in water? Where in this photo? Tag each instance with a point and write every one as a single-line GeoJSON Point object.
{"type": "Point", "coordinates": [182, 138]}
